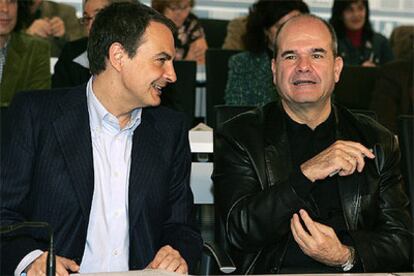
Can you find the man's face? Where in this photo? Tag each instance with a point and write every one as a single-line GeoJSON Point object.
{"type": "Point", "coordinates": [151, 68]}
{"type": "Point", "coordinates": [92, 7]}
{"type": "Point", "coordinates": [305, 69]}
{"type": "Point", "coordinates": [8, 16]}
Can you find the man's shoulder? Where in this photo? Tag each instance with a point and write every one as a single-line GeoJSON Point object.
{"type": "Point", "coordinates": [21, 38]}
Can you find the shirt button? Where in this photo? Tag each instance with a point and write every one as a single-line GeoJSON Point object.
{"type": "Point", "coordinates": [116, 174]}
{"type": "Point", "coordinates": [115, 252]}
{"type": "Point", "coordinates": [117, 213]}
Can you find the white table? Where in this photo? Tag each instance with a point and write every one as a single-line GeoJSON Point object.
{"type": "Point", "coordinates": [200, 181]}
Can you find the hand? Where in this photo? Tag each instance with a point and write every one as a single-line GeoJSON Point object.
{"type": "Point", "coordinates": [38, 267]}
{"type": "Point", "coordinates": [197, 51]}
{"type": "Point", "coordinates": [40, 27]}
{"type": "Point", "coordinates": [320, 243]}
{"type": "Point", "coordinates": [342, 157]}
{"type": "Point", "coordinates": [368, 63]}
{"type": "Point", "coordinates": [169, 259]}
{"type": "Point", "coordinates": [57, 27]}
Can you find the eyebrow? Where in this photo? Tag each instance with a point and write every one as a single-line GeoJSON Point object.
{"type": "Point", "coordinates": [313, 50]}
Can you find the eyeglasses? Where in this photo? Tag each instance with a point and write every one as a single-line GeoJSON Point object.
{"type": "Point", "coordinates": [85, 20]}
{"type": "Point", "coordinates": [175, 8]}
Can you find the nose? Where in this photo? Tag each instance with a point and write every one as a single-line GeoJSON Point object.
{"type": "Point", "coordinates": [169, 73]}
{"type": "Point", "coordinates": [303, 64]}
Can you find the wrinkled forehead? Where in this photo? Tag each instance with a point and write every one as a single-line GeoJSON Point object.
{"type": "Point", "coordinates": [304, 31]}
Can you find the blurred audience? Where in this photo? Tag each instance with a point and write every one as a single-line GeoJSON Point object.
{"type": "Point", "coordinates": [24, 60]}
{"type": "Point", "coordinates": [235, 30]}
{"type": "Point", "coordinates": [190, 41]}
{"type": "Point", "coordinates": [394, 92]}
{"type": "Point", "coordinates": [56, 22]}
{"type": "Point", "coordinates": [72, 67]}
{"type": "Point", "coordinates": [402, 41]}
{"type": "Point", "coordinates": [358, 44]}
{"type": "Point", "coordinates": [250, 80]}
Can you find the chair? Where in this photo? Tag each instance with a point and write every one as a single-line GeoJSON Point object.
{"type": "Point", "coordinates": [406, 140]}
{"type": "Point", "coordinates": [370, 113]}
{"type": "Point", "coordinates": [215, 31]}
{"type": "Point", "coordinates": [181, 94]}
{"type": "Point", "coordinates": [216, 76]}
{"type": "Point", "coordinates": [226, 112]}
{"type": "Point", "coordinates": [354, 89]}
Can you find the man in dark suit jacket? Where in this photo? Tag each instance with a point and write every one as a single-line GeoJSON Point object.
{"type": "Point", "coordinates": [101, 163]}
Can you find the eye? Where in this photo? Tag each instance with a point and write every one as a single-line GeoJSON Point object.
{"type": "Point", "coordinates": [317, 56]}
{"type": "Point", "coordinates": [161, 60]}
{"type": "Point", "coordinates": [290, 57]}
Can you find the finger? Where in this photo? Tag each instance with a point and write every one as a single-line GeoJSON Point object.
{"type": "Point", "coordinates": [310, 224]}
{"type": "Point", "coordinates": [161, 254]}
{"type": "Point", "coordinates": [297, 229]}
{"type": "Point", "coordinates": [165, 263]}
{"type": "Point", "coordinates": [183, 268]}
{"type": "Point", "coordinates": [69, 264]}
{"type": "Point", "coordinates": [361, 148]}
{"type": "Point", "coordinates": [173, 265]}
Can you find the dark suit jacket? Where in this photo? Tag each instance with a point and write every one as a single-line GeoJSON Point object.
{"type": "Point", "coordinates": [47, 175]}
{"type": "Point", "coordinates": [255, 200]}
{"type": "Point", "coordinates": [67, 72]}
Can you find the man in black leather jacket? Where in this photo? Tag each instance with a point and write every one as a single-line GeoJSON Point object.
{"type": "Point", "coordinates": [304, 186]}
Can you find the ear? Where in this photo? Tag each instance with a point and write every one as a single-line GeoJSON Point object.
{"type": "Point", "coordinates": [274, 71]}
{"type": "Point", "coordinates": [116, 56]}
{"type": "Point", "coordinates": [339, 64]}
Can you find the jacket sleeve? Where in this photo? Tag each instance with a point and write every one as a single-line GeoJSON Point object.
{"type": "Point", "coordinates": [40, 77]}
{"type": "Point", "coordinates": [255, 214]}
{"type": "Point", "coordinates": [385, 245]}
{"type": "Point", "coordinates": [179, 229]}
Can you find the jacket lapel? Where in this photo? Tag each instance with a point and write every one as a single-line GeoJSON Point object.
{"type": "Point", "coordinates": [73, 134]}
{"type": "Point", "coordinates": [144, 165]}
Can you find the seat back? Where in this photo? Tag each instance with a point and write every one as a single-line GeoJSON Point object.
{"type": "Point", "coordinates": [216, 77]}
{"type": "Point", "coordinates": [181, 94]}
{"type": "Point", "coordinates": [354, 89]}
{"type": "Point", "coordinates": [226, 112]}
{"type": "Point", "coordinates": [406, 140]}
{"type": "Point", "coordinates": [215, 31]}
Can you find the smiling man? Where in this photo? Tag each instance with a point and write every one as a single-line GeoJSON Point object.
{"type": "Point", "coordinates": [101, 163]}
{"type": "Point", "coordinates": [303, 185]}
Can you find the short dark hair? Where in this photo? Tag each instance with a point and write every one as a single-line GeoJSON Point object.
{"type": "Point", "coordinates": [337, 15]}
{"type": "Point", "coordinates": [263, 15]}
{"type": "Point", "coordinates": [334, 40]}
{"type": "Point", "coordinates": [124, 23]}
{"type": "Point", "coordinates": [161, 5]}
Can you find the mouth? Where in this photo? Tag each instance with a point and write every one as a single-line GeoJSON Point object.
{"type": "Point", "coordinates": [303, 82]}
{"type": "Point", "coordinates": [158, 88]}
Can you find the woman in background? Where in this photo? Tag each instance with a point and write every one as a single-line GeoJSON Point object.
{"type": "Point", "coordinates": [190, 42]}
{"type": "Point", "coordinates": [358, 44]}
{"type": "Point", "coordinates": [250, 80]}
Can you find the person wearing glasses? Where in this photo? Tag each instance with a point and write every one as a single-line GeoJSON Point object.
{"type": "Point", "coordinates": [190, 41]}
{"type": "Point", "coordinates": [72, 67]}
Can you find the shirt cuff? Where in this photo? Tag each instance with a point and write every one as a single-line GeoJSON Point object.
{"type": "Point", "coordinates": [26, 261]}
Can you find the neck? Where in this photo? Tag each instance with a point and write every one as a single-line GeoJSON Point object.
{"type": "Point", "coordinates": [3, 40]}
{"type": "Point", "coordinates": [108, 95]}
{"type": "Point", "coordinates": [312, 116]}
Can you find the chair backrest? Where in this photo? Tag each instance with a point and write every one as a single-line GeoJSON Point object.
{"type": "Point", "coordinates": [216, 77]}
{"type": "Point", "coordinates": [406, 140]}
{"type": "Point", "coordinates": [369, 113]}
{"type": "Point", "coordinates": [215, 31]}
{"type": "Point", "coordinates": [181, 94]}
{"type": "Point", "coordinates": [354, 89]}
{"type": "Point", "coordinates": [226, 112]}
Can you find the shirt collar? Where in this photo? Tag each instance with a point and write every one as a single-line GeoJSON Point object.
{"type": "Point", "coordinates": [100, 117]}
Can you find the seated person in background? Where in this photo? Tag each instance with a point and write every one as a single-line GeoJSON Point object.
{"type": "Point", "coordinates": [24, 60]}
{"type": "Point", "coordinates": [394, 92]}
{"type": "Point", "coordinates": [235, 30]}
{"type": "Point", "coordinates": [358, 44]}
{"type": "Point", "coordinates": [304, 186]}
{"type": "Point", "coordinates": [250, 77]}
{"type": "Point", "coordinates": [190, 42]}
{"type": "Point", "coordinates": [402, 41]}
{"type": "Point", "coordinates": [56, 22]}
{"type": "Point", "coordinates": [102, 163]}
{"type": "Point", "coordinates": [72, 67]}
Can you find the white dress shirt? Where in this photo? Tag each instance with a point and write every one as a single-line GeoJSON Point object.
{"type": "Point", "coordinates": [107, 240]}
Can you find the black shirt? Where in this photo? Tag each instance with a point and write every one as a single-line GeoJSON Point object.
{"type": "Point", "coordinates": [305, 143]}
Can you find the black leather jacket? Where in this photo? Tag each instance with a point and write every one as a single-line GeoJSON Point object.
{"type": "Point", "coordinates": [255, 200]}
